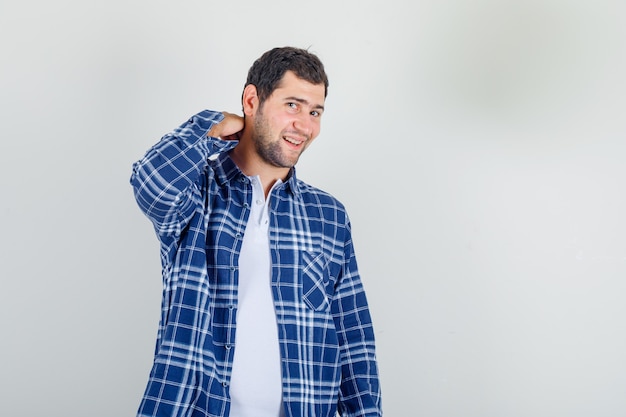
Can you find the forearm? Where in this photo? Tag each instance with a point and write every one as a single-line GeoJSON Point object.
{"type": "Point", "coordinates": [360, 393]}
{"type": "Point", "coordinates": [164, 179]}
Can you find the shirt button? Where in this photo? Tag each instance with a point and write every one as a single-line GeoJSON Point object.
{"type": "Point", "coordinates": [224, 384]}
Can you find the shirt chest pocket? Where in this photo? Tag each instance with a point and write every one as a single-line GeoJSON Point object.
{"type": "Point", "coordinates": [314, 279]}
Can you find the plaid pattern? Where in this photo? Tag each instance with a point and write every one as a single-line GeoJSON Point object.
{"type": "Point", "coordinates": [198, 202]}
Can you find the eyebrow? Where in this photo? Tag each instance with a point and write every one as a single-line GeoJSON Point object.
{"type": "Point", "coordinates": [303, 101]}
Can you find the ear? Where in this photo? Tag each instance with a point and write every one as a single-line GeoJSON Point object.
{"type": "Point", "coordinates": [250, 100]}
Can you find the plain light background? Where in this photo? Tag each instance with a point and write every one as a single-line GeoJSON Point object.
{"type": "Point", "coordinates": [479, 147]}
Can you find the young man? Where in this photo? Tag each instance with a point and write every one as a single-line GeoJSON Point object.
{"type": "Point", "coordinates": [263, 313]}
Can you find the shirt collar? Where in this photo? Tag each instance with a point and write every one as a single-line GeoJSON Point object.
{"type": "Point", "coordinates": [226, 170]}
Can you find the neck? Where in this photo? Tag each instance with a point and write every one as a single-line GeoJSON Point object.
{"type": "Point", "coordinates": [248, 161]}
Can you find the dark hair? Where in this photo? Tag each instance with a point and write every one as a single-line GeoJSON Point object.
{"type": "Point", "coordinates": [267, 71]}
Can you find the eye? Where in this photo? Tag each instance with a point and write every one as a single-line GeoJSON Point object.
{"type": "Point", "coordinates": [316, 113]}
{"type": "Point", "coordinates": [292, 105]}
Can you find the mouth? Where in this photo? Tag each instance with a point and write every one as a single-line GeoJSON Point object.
{"type": "Point", "coordinates": [295, 141]}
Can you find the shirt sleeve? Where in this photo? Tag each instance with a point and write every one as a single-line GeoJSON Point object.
{"type": "Point", "coordinates": [359, 394]}
{"type": "Point", "coordinates": [166, 181]}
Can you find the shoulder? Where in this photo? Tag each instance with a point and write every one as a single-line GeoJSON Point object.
{"type": "Point", "coordinates": [317, 197]}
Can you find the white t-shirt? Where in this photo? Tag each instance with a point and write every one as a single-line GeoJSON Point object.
{"type": "Point", "coordinates": [256, 382]}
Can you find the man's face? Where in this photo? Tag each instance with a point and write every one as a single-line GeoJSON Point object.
{"type": "Point", "coordinates": [288, 121]}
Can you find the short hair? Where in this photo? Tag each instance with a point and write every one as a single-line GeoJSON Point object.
{"type": "Point", "coordinates": [267, 71]}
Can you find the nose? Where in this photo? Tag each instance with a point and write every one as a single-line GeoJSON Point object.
{"type": "Point", "coordinates": [304, 125]}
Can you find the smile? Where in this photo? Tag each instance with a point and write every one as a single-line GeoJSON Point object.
{"type": "Point", "coordinates": [293, 140]}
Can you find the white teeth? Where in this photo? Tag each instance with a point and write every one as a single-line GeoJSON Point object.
{"type": "Point", "coordinates": [290, 140]}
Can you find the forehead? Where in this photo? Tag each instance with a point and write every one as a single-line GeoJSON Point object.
{"type": "Point", "coordinates": [293, 86]}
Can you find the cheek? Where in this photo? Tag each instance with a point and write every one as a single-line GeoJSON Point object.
{"type": "Point", "coordinates": [316, 130]}
{"type": "Point", "coordinates": [310, 142]}
{"type": "Point", "coordinates": [280, 123]}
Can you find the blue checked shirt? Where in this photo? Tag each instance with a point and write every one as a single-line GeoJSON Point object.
{"type": "Point", "coordinates": [199, 202]}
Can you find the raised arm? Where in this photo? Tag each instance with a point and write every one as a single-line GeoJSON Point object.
{"type": "Point", "coordinates": [166, 180]}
